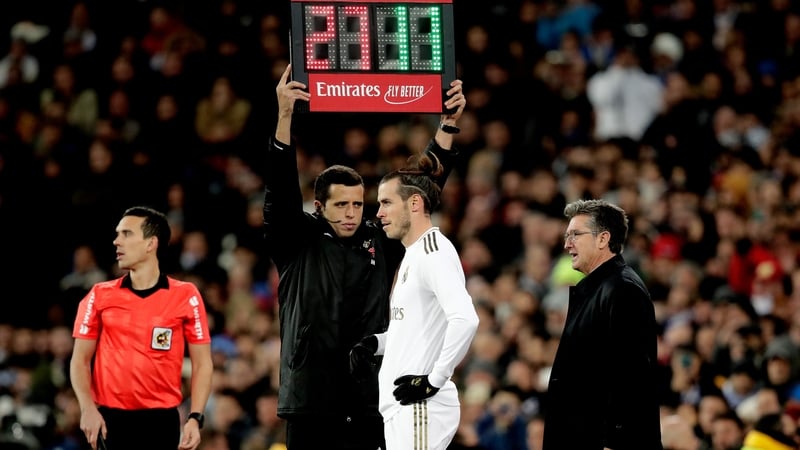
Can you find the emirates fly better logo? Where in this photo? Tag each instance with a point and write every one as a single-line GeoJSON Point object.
{"type": "Point", "coordinates": [401, 95]}
{"type": "Point", "coordinates": [375, 93]}
{"type": "Point", "coordinates": [395, 94]}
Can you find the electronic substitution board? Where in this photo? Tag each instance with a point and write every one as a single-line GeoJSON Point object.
{"type": "Point", "coordinates": [373, 56]}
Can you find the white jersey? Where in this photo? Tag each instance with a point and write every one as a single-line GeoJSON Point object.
{"type": "Point", "coordinates": [432, 321]}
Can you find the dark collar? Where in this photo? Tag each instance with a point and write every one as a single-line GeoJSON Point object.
{"type": "Point", "coordinates": [162, 283]}
{"type": "Point", "coordinates": [603, 271]}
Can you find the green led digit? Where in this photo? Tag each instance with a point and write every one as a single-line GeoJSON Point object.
{"type": "Point", "coordinates": [402, 30]}
{"type": "Point", "coordinates": [392, 38]}
{"type": "Point", "coordinates": [426, 38]}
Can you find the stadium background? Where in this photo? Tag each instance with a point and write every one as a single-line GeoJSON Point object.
{"type": "Point", "coordinates": [683, 112]}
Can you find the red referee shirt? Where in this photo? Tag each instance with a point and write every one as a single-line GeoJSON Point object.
{"type": "Point", "coordinates": [140, 341]}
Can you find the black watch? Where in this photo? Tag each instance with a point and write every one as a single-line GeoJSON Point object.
{"type": "Point", "coordinates": [199, 417]}
{"type": "Point", "coordinates": [449, 129]}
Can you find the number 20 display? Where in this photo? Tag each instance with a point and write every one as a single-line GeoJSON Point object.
{"type": "Point", "coordinates": [378, 56]}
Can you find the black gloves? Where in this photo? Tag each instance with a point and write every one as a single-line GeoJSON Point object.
{"type": "Point", "coordinates": [413, 388]}
{"type": "Point", "coordinates": [362, 358]}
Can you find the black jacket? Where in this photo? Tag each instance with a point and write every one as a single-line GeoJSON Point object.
{"type": "Point", "coordinates": [603, 384]}
{"type": "Point", "coordinates": [332, 292]}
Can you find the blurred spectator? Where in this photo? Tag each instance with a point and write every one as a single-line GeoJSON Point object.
{"type": "Point", "coordinates": [76, 284]}
{"type": "Point", "coordinates": [686, 375]}
{"type": "Point", "coordinates": [727, 432]}
{"type": "Point", "coordinates": [222, 116]}
{"type": "Point", "coordinates": [268, 430]}
{"type": "Point", "coordinates": [711, 405]}
{"type": "Point", "coordinates": [85, 271]}
{"type": "Point", "coordinates": [741, 384]}
{"type": "Point", "coordinates": [116, 123]}
{"type": "Point", "coordinates": [780, 370]}
{"type": "Point", "coordinates": [81, 101]}
{"type": "Point", "coordinates": [80, 31]}
{"type": "Point", "coordinates": [709, 170]}
{"type": "Point", "coordinates": [558, 18]}
{"type": "Point", "coordinates": [197, 257]}
{"type": "Point", "coordinates": [769, 433]}
{"type": "Point", "coordinates": [165, 33]}
{"type": "Point", "coordinates": [18, 65]}
{"type": "Point", "coordinates": [503, 427]}
{"type": "Point", "coordinates": [751, 261]}
{"type": "Point", "coordinates": [228, 416]}
{"type": "Point", "coordinates": [666, 53]}
{"type": "Point", "coordinates": [79, 42]}
{"type": "Point", "coordinates": [625, 97]}
{"type": "Point", "coordinates": [67, 434]}
{"type": "Point", "coordinates": [764, 402]}
{"type": "Point", "coordinates": [213, 439]}
{"type": "Point", "coordinates": [677, 434]}
{"type": "Point", "coordinates": [51, 375]}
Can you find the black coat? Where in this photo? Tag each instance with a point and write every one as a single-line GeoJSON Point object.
{"type": "Point", "coordinates": [603, 389]}
{"type": "Point", "coordinates": [332, 292]}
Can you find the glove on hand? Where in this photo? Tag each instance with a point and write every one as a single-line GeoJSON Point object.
{"type": "Point", "coordinates": [413, 388]}
{"type": "Point", "coordinates": [362, 358]}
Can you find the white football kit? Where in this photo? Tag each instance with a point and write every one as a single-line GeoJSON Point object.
{"type": "Point", "coordinates": [432, 325]}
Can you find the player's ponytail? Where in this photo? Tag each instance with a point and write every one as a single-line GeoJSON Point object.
{"type": "Point", "coordinates": [417, 177]}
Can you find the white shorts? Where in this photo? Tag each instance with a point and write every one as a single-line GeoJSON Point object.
{"type": "Point", "coordinates": [425, 425]}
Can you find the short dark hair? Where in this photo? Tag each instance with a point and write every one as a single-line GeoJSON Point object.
{"type": "Point", "coordinates": [155, 224]}
{"type": "Point", "coordinates": [603, 216]}
{"type": "Point", "coordinates": [731, 416]}
{"type": "Point", "coordinates": [336, 174]}
{"type": "Point", "coordinates": [418, 177]}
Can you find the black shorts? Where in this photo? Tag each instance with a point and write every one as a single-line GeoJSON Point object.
{"type": "Point", "coordinates": [151, 429]}
{"type": "Point", "coordinates": [334, 433]}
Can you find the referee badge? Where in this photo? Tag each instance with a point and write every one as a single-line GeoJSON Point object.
{"type": "Point", "coordinates": [162, 339]}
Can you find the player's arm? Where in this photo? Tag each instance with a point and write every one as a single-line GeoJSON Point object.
{"type": "Point", "coordinates": [442, 272]}
{"type": "Point", "coordinates": [447, 281]}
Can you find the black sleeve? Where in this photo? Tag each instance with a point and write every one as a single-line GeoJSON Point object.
{"type": "Point", "coordinates": [448, 159]}
{"type": "Point", "coordinates": [283, 201]}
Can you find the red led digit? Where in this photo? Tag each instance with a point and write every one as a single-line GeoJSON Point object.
{"type": "Point", "coordinates": [320, 37]}
{"type": "Point", "coordinates": [354, 32]}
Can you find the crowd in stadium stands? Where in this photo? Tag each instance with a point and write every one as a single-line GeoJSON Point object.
{"type": "Point", "coordinates": [686, 113]}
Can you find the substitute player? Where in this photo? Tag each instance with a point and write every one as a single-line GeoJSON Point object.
{"type": "Point", "coordinates": [130, 337]}
{"type": "Point", "coordinates": [432, 322]}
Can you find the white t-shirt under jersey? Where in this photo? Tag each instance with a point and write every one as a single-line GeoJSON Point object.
{"type": "Point", "coordinates": [432, 321]}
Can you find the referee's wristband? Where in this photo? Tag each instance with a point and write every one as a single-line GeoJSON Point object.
{"type": "Point", "coordinates": [449, 129]}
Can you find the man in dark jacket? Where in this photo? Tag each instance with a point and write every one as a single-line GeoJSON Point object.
{"type": "Point", "coordinates": [603, 385]}
{"type": "Point", "coordinates": [336, 271]}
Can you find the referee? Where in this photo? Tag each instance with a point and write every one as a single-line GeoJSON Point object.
{"type": "Point", "coordinates": [130, 337]}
